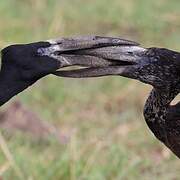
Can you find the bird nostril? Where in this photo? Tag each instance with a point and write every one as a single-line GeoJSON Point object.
{"type": "Point", "coordinates": [57, 53]}
{"type": "Point", "coordinates": [131, 53]}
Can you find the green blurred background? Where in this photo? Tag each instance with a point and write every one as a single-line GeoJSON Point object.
{"type": "Point", "coordinates": [108, 137]}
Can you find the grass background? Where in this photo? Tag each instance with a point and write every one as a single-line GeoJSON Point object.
{"type": "Point", "coordinates": [109, 137]}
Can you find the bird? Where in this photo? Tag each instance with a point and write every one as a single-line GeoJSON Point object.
{"type": "Point", "coordinates": [158, 67]}
{"type": "Point", "coordinates": [24, 64]}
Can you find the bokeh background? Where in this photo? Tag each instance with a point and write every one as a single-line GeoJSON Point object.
{"type": "Point", "coordinates": [90, 129]}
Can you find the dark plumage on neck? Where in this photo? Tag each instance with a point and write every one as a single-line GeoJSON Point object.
{"type": "Point", "coordinates": [164, 119]}
{"type": "Point", "coordinates": [11, 87]}
{"type": "Point", "coordinates": [156, 109]}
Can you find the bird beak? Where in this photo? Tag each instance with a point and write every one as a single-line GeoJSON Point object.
{"type": "Point", "coordinates": [99, 56]}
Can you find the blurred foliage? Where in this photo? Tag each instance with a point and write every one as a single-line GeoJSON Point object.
{"type": "Point", "coordinates": [109, 138]}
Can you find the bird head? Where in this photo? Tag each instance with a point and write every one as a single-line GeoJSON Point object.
{"type": "Point", "coordinates": [21, 62]}
{"type": "Point", "coordinates": [155, 66]}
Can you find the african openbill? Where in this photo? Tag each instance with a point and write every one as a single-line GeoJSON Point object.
{"type": "Point", "coordinates": [158, 67]}
{"type": "Point", "coordinates": [24, 64]}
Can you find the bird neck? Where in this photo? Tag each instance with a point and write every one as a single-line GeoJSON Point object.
{"type": "Point", "coordinates": [10, 86]}
{"type": "Point", "coordinates": [155, 111]}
